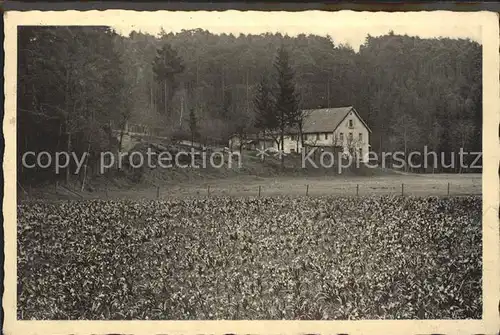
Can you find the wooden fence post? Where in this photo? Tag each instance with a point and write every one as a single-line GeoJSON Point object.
{"type": "Point", "coordinates": [307, 190]}
{"type": "Point", "coordinates": [208, 190]}
{"type": "Point", "coordinates": [448, 189]}
{"type": "Point", "coordinates": [357, 189]}
{"type": "Point", "coordinates": [402, 189]}
{"type": "Point", "coordinates": [157, 192]}
{"type": "Point", "coordinates": [259, 190]}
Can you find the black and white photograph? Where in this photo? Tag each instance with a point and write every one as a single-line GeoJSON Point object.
{"type": "Point", "coordinates": [252, 166]}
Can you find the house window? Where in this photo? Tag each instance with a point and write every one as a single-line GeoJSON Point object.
{"type": "Point", "coordinates": [326, 136]}
{"type": "Point", "coordinates": [360, 137]}
{"type": "Point", "coordinates": [317, 136]}
{"type": "Point", "coordinates": [360, 152]}
{"type": "Point", "coordinates": [293, 138]}
{"type": "Point", "coordinates": [305, 137]}
{"type": "Point", "coordinates": [350, 124]}
{"type": "Point", "coordinates": [341, 137]}
{"type": "Point", "coordinates": [350, 136]}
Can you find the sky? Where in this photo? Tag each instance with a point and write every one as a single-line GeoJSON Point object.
{"type": "Point", "coordinates": [345, 27]}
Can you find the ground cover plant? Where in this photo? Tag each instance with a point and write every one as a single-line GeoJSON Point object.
{"type": "Point", "coordinates": [386, 257]}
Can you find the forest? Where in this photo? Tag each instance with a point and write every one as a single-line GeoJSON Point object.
{"type": "Point", "coordinates": [76, 83]}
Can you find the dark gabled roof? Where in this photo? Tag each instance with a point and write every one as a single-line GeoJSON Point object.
{"type": "Point", "coordinates": [322, 120]}
{"type": "Point", "coordinates": [327, 119]}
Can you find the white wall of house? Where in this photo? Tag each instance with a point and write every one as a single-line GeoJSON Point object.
{"type": "Point", "coordinates": [263, 144]}
{"type": "Point", "coordinates": [341, 137]}
{"type": "Point", "coordinates": [289, 144]}
{"type": "Point", "coordinates": [293, 143]}
{"type": "Point", "coordinates": [350, 125]}
{"type": "Point", "coordinates": [234, 142]}
{"type": "Point", "coordinates": [358, 142]}
{"type": "Point", "coordinates": [324, 139]}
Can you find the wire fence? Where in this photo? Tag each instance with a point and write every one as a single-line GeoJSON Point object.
{"type": "Point", "coordinates": [341, 189]}
{"type": "Point", "coordinates": [316, 188]}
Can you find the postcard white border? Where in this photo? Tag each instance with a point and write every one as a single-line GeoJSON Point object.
{"type": "Point", "coordinates": [491, 266]}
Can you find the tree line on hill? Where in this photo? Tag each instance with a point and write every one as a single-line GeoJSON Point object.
{"type": "Point", "coordinates": [76, 83]}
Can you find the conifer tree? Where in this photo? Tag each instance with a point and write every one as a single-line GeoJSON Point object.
{"type": "Point", "coordinates": [287, 100]}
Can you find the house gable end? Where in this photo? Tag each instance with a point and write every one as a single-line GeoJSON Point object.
{"type": "Point", "coordinates": [357, 115]}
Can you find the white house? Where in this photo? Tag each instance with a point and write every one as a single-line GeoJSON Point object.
{"type": "Point", "coordinates": [340, 129]}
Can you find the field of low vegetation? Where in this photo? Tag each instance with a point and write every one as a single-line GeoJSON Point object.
{"type": "Point", "coordinates": [388, 257]}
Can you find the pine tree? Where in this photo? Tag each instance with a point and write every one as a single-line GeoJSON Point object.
{"type": "Point", "coordinates": [227, 104]}
{"type": "Point", "coordinates": [286, 101]}
{"type": "Point", "coordinates": [265, 115]}
{"type": "Point", "coordinates": [166, 65]}
{"type": "Point", "coordinates": [193, 125]}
